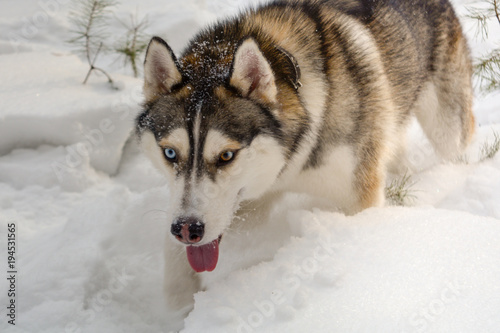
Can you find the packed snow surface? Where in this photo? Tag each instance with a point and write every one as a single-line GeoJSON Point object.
{"type": "Point", "coordinates": [90, 215]}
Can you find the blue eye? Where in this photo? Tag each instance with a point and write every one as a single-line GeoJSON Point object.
{"type": "Point", "coordinates": [170, 154]}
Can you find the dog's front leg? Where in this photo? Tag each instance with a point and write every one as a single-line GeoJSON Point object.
{"type": "Point", "coordinates": [180, 280]}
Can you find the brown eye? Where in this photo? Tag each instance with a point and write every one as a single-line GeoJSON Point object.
{"type": "Point", "coordinates": [226, 157]}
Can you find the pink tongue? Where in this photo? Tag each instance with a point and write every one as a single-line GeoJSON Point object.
{"type": "Point", "coordinates": [203, 258]}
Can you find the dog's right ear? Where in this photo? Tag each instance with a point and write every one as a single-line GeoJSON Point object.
{"type": "Point", "coordinates": [161, 69]}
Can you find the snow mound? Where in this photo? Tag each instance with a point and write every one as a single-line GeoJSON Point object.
{"type": "Point", "coordinates": [48, 105]}
{"type": "Point", "coordinates": [384, 270]}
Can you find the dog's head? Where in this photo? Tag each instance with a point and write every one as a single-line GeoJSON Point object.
{"type": "Point", "coordinates": [212, 124]}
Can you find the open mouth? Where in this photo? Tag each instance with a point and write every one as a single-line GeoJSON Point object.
{"type": "Point", "coordinates": [204, 258]}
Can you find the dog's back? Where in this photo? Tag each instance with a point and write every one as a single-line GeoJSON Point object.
{"type": "Point", "coordinates": [420, 45]}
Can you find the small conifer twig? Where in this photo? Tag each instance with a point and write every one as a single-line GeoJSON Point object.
{"type": "Point", "coordinates": [487, 67]}
{"type": "Point", "coordinates": [497, 10]}
{"type": "Point", "coordinates": [89, 19]}
{"type": "Point", "coordinates": [135, 41]}
{"type": "Point", "coordinates": [490, 149]}
{"type": "Point", "coordinates": [93, 67]}
{"type": "Point", "coordinates": [399, 191]}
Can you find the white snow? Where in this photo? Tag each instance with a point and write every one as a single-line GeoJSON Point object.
{"type": "Point", "coordinates": [91, 220]}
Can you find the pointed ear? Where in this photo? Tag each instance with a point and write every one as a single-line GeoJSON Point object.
{"type": "Point", "coordinates": [161, 70]}
{"type": "Point", "coordinates": [251, 73]}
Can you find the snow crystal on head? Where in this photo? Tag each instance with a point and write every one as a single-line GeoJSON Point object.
{"type": "Point", "coordinates": [208, 64]}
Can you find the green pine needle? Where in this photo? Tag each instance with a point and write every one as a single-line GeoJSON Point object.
{"type": "Point", "coordinates": [400, 192]}
{"type": "Point", "coordinates": [489, 149]}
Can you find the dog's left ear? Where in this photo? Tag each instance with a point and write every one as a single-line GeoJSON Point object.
{"type": "Point", "coordinates": [251, 73]}
{"type": "Point", "coordinates": [161, 70]}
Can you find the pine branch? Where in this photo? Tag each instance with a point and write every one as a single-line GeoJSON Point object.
{"type": "Point", "coordinates": [482, 16]}
{"type": "Point", "coordinates": [490, 149]}
{"type": "Point", "coordinates": [400, 192]}
{"type": "Point", "coordinates": [89, 19]}
{"type": "Point", "coordinates": [134, 43]}
{"type": "Point", "coordinates": [497, 10]}
{"type": "Point", "coordinates": [487, 68]}
{"type": "Point", "coordinates": [488, 71]}
{"type": "Point", "coordinates": [481, 19]}
{"type": "Point", "coordinates": [93, 67]}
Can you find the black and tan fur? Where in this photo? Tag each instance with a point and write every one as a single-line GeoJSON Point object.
{"type": "Point", "coordinates": [346, 76]}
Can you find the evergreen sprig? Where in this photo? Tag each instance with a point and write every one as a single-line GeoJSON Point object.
{"type": "Point", "coordinates": [487, 68]}
{"type": "Point", "coordinates": [89, 18]}
{"type": "Point", "coordinates": [400, 191]}
{"type": "Point", "coordinates": [134, 42]}
{"type": "Point", "coordinates": [490, 149]}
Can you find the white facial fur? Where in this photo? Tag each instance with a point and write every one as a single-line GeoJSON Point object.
{"type": "Point", "coordinates": [156, 154]}
{"type": "Point", "coordinates": [248, 176]}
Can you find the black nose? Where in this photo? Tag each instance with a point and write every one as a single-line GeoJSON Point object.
{"type": "Point", "coordinates": [188, 230]}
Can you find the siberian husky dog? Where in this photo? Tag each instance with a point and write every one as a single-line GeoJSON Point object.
{"type": "Point", "coordinates": [308, 96]}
